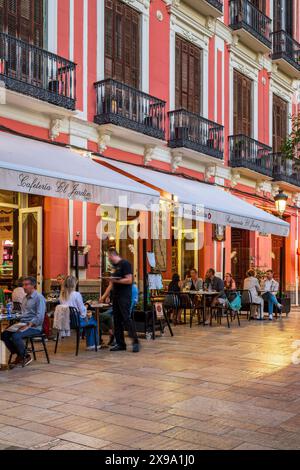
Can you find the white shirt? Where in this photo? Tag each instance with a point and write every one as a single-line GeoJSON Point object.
{"type": "Point", "coordinates": [75, 300]}
{"type": "Point", "coordinates": [270, 285]}
{"type": "Point", "coordinates": [18, 295]}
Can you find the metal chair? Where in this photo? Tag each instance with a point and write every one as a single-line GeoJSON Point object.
{"type": "Point", "coordinates": [42, 337]}
{"type": "Point", "coordinates": [247, 303]}
{"type": "Point", "coordinates": [75, 325]}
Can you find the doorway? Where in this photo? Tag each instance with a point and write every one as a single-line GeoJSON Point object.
{"type": "Point", "coordinates": [240, 255]}
{"type": "Point", "coordinates": [278, 257]}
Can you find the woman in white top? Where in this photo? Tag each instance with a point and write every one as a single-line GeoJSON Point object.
{"type": "Point", "coordinates": [18, 293]}
{"type": "Point", "coordinates": [251, 284]}
{"type": "Point", "coordinates": [70, 297]}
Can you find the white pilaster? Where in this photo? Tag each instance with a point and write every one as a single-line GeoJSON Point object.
{"type": "Point", "coordinates": [205, 84]}
{"type": "Point", "coordinates": [52, 26]}
{"type": "Point", "coordinates": [71, 33]}
{"type": "Point", "coordinates": [100, 39]}
{"type": "Point", "coordinates": [255, 110]}
{"type": "Point", "coordinates": [172, 67]}
{"type": "Point", "coordinates": [145, 51]}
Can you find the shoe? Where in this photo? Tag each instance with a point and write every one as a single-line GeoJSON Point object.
{"type": "Point", "coordinates": [270, 317]}
{"type": "Point", "coordinates": [27, 360]}
{"type": "Point", "coordinates": [136, 347]}
{"type": "Point", "coordinates": [260, 318]}
{"type": "Point", "coordinates": [92, 348]}
{"type": "Point", "coordinates": [111, 340]}
{"type": "Point", "coordinates": [17, 361]}
{"type": "Point", "coordinates": [116, 347]}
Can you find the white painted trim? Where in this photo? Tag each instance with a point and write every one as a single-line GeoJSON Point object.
{"type": "Point", "coordinates": [270, 117]}
{"type": "Point", "coordinates": [100, 39]}
{"type": "Point", "coordinates": [219, 45]}
{"type": "Point", "coordinates": [204, 79]}
{"type": "Point", "coordinates": [215, 255]}
{"type": "Point", "coordinates": [255, 110]}
{"type": "Point", "coordinates": [145, 51]}
{"type": "Point", "coordinates": [231, 95]}
{"type": "Point", "coordinates": [52, 26]}
{"type": "Point", "coordinates": [71, 32]}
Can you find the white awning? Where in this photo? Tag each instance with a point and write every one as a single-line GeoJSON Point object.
{"type": "Point", "coordinates": [35, 167]}
{"type": "Point", "coordinates": [218, 206]}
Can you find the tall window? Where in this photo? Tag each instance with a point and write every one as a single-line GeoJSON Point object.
{"type": "Point", "coordinates": [23, 19]}
{"type": "Point", "coordinates": [122, 43]}
{"type": "Point", "coordinates": [260, 4]}
{"type": "Point", "coordinates": [242, 113]}
{"type": "Point", "coordinates": [280, 122]}
{"type": "Point", "coordinates": [283, 16]}
{"type": "Point", "coordinates": [188, 76]}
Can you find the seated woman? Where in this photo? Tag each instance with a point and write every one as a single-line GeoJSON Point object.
{"type": "Point", "coordinates": [230, 287]}
{"type": "Point", "coordinates": [173, 301]}
{"type": "Point", "coordinates": [251, 284]}
{"type": "Point", "coordinates": [71, 298]}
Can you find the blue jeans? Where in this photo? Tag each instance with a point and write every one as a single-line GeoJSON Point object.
{"type": "Point", "coordinates": [271, 301]}
{"type": "Point", "coordinates": [15, 341]}
{"type": "Point", "coordinates": [89, 332]}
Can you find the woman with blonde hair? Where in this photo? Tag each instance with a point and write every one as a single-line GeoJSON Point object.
{"type": "Point", "coordinates": [71, 298]}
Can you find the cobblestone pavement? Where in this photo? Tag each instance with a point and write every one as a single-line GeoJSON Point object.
{"type": "Point", "coordinates": [206, 388]}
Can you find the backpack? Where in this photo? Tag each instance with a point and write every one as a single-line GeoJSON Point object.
{"type": "Point", "coordinates": [236, 303]}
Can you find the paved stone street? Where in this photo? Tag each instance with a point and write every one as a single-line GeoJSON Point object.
{"type": "Point", "coordinates": [206, 388]}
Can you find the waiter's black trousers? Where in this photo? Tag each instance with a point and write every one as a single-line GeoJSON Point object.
{"type": "Point", "coordinates": [123, 320]}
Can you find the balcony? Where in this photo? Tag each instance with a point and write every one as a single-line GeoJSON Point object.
{"type": "Point", "coordinates": [122, 105]}
{"type": "Point", "coordinates": [193, 132]}
{"type": "Point", "coordinates": [252, 25]}
{"type": "Point", "coordinates": [286, 53]}
{"type": "Point", "coordinates": [35, 72]}
{"type": "Point", "coordinates": [212, 8]}
{"type": "Point", "coordinates": [250, 155]}
{"type": "Point", "coordinates": [286, 170]}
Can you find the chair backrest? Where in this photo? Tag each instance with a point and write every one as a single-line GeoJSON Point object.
{"type": "Point", "coordinates": [74, 318]}
{"type": "Point", "coordinates": [246, 298]}
{"type": "Point", "coordinates": [17, 306]}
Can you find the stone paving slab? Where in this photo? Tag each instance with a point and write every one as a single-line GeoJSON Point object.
{"type": "Point", "coordinates": [206, 388]}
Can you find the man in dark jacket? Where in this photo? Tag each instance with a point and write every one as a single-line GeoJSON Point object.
{"type": "Point", "coordinates": [215, 283]}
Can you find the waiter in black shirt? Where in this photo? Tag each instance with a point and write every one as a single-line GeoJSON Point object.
{"type": "Point", "coordinates": [121, 287]}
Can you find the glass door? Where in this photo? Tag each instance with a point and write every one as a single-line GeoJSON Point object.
{"type": "Point", "coordinates": [31, 244]}
{"type": "Point", "coordinates": [127, 243]}
{"type": "Point", "coordinates": [188, 247]}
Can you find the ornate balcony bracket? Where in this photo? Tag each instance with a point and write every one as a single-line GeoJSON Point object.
{"type": "Point", "coordinates": [296, 199]}
{"type": "Point", "coordinates": [55, 128]}
{"type": "Point", "coordinates": [210, 171]}
{"type": "Point", "coordinates": [104, 138]}
{"type": "Point", "coordinates": [274, 189]}
{"type": "Point", "coordinates": [149, 152]}
{"type": "Point", "coordinates": [235, 177]}
{"type": "Point", "coordinates": [177, 158]}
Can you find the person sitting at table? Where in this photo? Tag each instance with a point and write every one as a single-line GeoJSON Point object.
{"type": "Point", "coordinates": [230, 287]}
{"type": "Point", "coordinates": [18, 293]}
{"type": "Point", "coordinates": [71, 298]}
{"type": "Point", "coordinates": [187, 279]}
{"type": "Point", "coordinates": [173, 301]}
{"type": "Point", "coordinates": [33, 314]}
{"type": "Point", "coordinates": [195, 283]}
{"type": "Point", "coordinates": [252, 285]}
{"type": "Point", "coordinates": [270, 288]}
{"type": "Point", "coordinates": [216, 284]}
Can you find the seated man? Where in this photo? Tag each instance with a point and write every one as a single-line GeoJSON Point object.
{"type": "Point", "coordinates": [216, 284]}
{"type": "Point", "coordinates": [195, 282]}
{"type": "Point", "coordinates": [33, 314]}
{"type": "Point", "coordinates": [270, 288]}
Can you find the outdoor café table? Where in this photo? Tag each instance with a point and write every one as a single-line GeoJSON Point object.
{"type": "Point", "coordinates": [4, 323]}
{"type": "Point", "coordinates": [98, 308]}
{"type": "Point", "coordinates": [204, 295]}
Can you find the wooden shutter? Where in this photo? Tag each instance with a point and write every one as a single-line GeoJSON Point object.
{"type": "Point", "coordinates": [260, 4]}
{"type": "Point", "coordinates": [122, 43]}
{"type": "Point", "coordinates": [280, 122]}
{"type": "Point", "coordinates": [23, 19]}
{"type": "Point", "coordinates": [242, 113]}
{"type": "Point", "coordinates": [277, 15]}
{"type": "Point", "coordinates": [188, 76]}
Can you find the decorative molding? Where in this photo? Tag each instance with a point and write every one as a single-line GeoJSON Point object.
{"type": "Point", "coordinates": [177, 158]}
{"type": "Point", "coordinates": [209, 172]}
{"type": "Point", "coordinates": [55, 128]}
{"type": "Point", "coordinates": [260, 186]}
{"type": "Point", "coordinates": [274, 189]}
{"type": "Point", "coordinates": [159, 15]}
{"type": "Point", "coordinates": [235, 177]}
{"type": "Point", "coordinates": [149, 154]}
{"type": "Point", "coordinates": [104, 137]}
{"type": "Point", "coordinates": [296, 199]}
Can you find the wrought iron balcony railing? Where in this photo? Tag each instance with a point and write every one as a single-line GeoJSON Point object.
{"type": "Point", "coordinates": [33, 71]}
{"type": "Point", "coordinates": [245, 15]}
{"type": "Point", "coordinates": [286, 169]}
{"type": "Point", "coordinates": [245, 152]}
{"type": "Point", "coordinates": [128, 107]}
{"type": "Point", "coordinates": [287, 48]}
{"type": "Point", "coordinates": [217, 4]}
{"type": "Point", "coordinates": [196, 133]}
